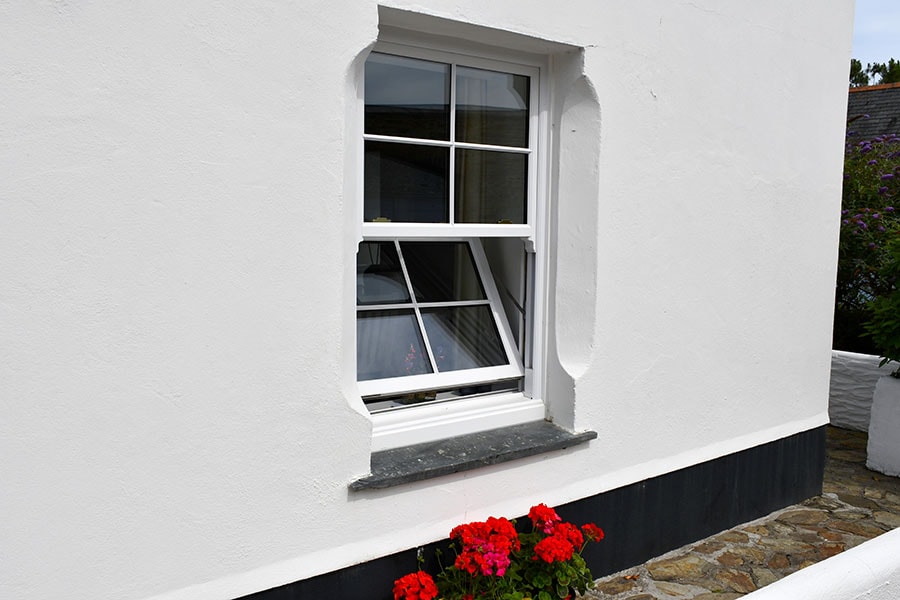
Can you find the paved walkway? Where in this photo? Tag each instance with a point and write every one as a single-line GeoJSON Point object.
{"type": "Point", "coordinates": [856, 505]}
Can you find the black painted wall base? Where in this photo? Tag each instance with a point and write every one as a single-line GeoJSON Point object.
{"type": "Point", "coordinates": [641, 520]}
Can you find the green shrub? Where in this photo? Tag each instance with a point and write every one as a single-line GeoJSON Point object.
{"type": "Point", "coordinates": [869, 212]}
{"type": "Point", "coordinates": [884, 326]}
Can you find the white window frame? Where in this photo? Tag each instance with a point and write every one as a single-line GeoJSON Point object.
{"type": "Point", "coordinates": [427, 422]}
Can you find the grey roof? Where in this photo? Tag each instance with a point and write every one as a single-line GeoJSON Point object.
{"type": "Point", "coordinates": [882, 105]}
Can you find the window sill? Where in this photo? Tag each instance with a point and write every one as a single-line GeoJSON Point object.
{"type": "Point", "coordinates": [466, 452]}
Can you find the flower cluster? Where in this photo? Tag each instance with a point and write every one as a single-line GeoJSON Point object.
{"type": "Point", "coordinates": [544, 518]}
{"type": "Point", "coordinates": [485, 546]}
{"type": "Point", "coordinates": [560, 544]}
{"type": "Point", "coordinates": [494, 561]}
{"type": "Point", "coordinates": [592, 532]}
{"type": "Point", "coordinates": [415, 586]}
{"type": "Point", "coordinates": [865, 219]}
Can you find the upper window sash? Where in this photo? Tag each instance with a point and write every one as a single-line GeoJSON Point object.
{"type": "Point", "coordinates": [446, 161]}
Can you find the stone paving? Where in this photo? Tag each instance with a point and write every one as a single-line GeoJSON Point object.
{"type": "Point", "coordinates": [856, 505]}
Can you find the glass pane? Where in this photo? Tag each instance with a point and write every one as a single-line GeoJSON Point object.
{"type": "Point", "coordinates": [463, 337]}
{"type": "Point", "coordinates": [407, 97]}
{"type": "Point", "coordinates": [389, 344]}
{"type": "Point", "coordinates": [406, 183]}
{"type": "Point", "coordinates": [491, 107]}
{"type": "Point", "coordinates": [490, 186]}
{"type": "Point", "coordinates": [441, 271]}
{"type": "Point", "coordinates": [379, 278]}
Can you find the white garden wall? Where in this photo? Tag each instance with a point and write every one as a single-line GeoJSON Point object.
{"type": "Point", "coordinates": [853, 378]}
{"type": "Point", "coordinates": [178, 210]}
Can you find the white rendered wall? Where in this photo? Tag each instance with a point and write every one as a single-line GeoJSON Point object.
{"type": "Point", "coordinates": [853, 378]}
{"type": "Point", "coordinates": [177, 214]}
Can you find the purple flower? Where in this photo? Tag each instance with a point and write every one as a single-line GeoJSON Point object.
{"type": "Point", "coordinates": [872, 162]}
{"type": "Point", "coordinates": [862, 225]}
{"type": "Point", "coordinates": [887, 176]}
{"type": "Point", "coordinates": [881, 228]}
{"type": "Point", "coordinates": [888, 209]}
{"type": "Point", "coordinates": [871, 244]}
{"type": "Point", "coordinates": [876, 216]}
{"type": "Point", "coordinates": [845, 222]}
{"type": "Point", "coordinates": [845, 211]}
{"type": "Point", "coordinates": [882, 190]}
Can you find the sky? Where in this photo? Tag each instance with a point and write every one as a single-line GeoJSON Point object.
{"type": "Point", "coordinates": [876, 31]}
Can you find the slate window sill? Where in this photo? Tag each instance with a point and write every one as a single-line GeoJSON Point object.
{"type": "Point", "coordinates": [443, 457]}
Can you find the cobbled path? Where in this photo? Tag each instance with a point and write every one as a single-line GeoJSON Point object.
{"type": "Point", "coordinates": [856, 505]}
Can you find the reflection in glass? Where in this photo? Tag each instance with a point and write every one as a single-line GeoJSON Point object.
{"type": "Point", "coordinates": [490, 186]}
{"type": "Point", "coordinates": [379, 278]}
{"type": "Point", "coordinates": [406, 183]}
{"type": "Point", "coordinates": [389, 344]}
{"type": "Point", "coordinates": [407, 97]}
{"type": "Point", "coordinates": [441, 271]}
{"type": "Point", "coordinates": [463, 337]}
{"type": "Point", "coordinates": [491, 107]}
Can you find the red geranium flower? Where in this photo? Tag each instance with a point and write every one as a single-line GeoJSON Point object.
{"type": "Point", "coordinates": [485, 546]}
{"type": "Point", "coordinates": [570, 533]}
{"type": "Point", "coordinates": [415, 586]}
{"type": "Point", "coordinates": [592, 532]}
{"type": "Point", "coordinates": [544, 518]}
{"type": "Point", "coordinates": [552, 549]}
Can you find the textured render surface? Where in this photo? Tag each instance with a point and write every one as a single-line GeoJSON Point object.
{"type": "Point", "coordinates": [177, 378]}
{"type": "Point", "coordinates": [884, 429]}
{"type": "Point", "coordinates": [853, 378]}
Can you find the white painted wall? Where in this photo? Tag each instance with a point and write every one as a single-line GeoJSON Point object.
{"type": "Point", "coordinates": [179, 411]}
{"type": "Point", "coordinates": [853, 378]}
{"type": "Point", "coordinates": [883, 447]}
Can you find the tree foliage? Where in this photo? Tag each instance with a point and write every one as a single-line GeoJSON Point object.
{"type": "Point", "coordinates": [858, 76]}
{"type": "Point", "coordinates": [887, 72]}
{"type": "Point", "coordinates": [874, 73]}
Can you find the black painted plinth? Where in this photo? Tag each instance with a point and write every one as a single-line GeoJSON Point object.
{"type": "Point", "coordinates": [465, 452]}
{"type": "Point", "coordinates": [641, 520]}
